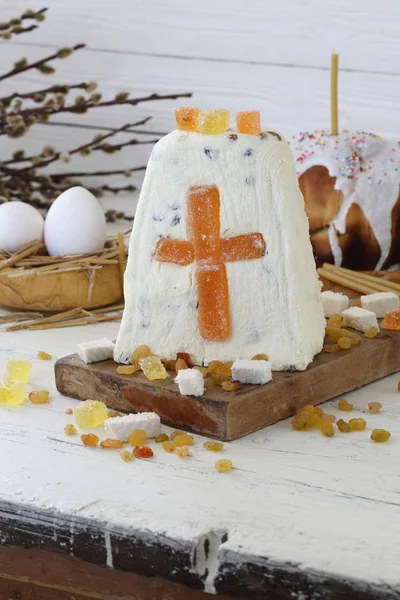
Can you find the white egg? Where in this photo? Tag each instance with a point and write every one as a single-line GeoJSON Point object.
{"type": "Point", "coordinates": [20, 224]}
{"type": "Point", "coordinates": [75, 224]}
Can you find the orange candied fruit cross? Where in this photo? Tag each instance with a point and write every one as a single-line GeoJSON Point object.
{"type": "Point", "coordinates": [392, 320]}
{"type": "Point", "coordinates": [248, 122]}
{"type": "Point", "coordinates": [187, 118]}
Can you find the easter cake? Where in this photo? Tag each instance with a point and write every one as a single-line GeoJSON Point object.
{"type": "Point", "coordinates": [220, 261]}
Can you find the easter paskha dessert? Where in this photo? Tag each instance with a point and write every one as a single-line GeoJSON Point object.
{"type": "Point", "coordinates": [220, 262]}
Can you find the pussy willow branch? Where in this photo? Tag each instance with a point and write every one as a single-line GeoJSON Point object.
{"type": "Point", "coordinates": [38, 63]}
{"type": "Point", "coordinates": [54, 89]}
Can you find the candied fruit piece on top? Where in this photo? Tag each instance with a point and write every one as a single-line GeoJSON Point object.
{"type": "Point", "coordinates": [126, 456]}
{"type": "Point", "coordinates": [44, 355]}
{"type": "Point", "coordinates": [143, 452]}
{"type": "Point", "coordinates": [140, 352]}
{"type": "Point", "coordinates": [183, 440]}
{"type": "Point", "coordinates": [12, 394]}
{"type": "Point", "coordinates": [153, 368]}
{"type": "Point", "coordinates": [380, 435]}
{"type": "Point", "coordinates": [213, 121]}
{"type": "Point", "coordinates": [374, 407]}
{"type": "Point", "coordinates": [343, 426]}
{"type": "Point", "coordinates": [223, 465]}
{"type": "Point", "coordinates": [358, 424]}
{"type": "Point", "coordinates": [212, 446]}
{"type": "Point", "coordinates": [90, 413]}
{"type": "Point", "coordinates": [187, 118]}
{"type": "Point", "coordinates": [371, 332]}
{"type": "Point", "coordinates": [17, 371]}
{"type": "Point", "coordinates": [248, 121]}
{"type": "Point", "coordinates": [344, 343]}
{"type": "Point", "coordinates": [137, 438]}
{"type": "Point", "coordinates": [112, 444]}
{"type": "Point", "coordinates": [230, 386]}
{"type": "Point", "coordinates": [90, 439]}
{"type": "Point", "coordinates": [39, 397]}
{"type": "Point", "coordinates": [343, 404]}
{"type": "Point", "coordinates": [391, 320]}
{"type": "Point", "coordinates": [70, 429]}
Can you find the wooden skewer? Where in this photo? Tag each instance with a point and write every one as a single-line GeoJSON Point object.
{"type": "Point", "coordinates": [362, 288]}
{"type": "Point", "coordinates": [380, 284]}
{"type": "Point", "coordinates": [17, 256]}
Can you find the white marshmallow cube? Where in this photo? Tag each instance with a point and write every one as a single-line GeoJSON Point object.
{"type": "Point", "coordinates": [359, 318]}
{"type": "Point", "coordinates": [251, 371]}
{"type": "Point", "coordinates": [120, 428]}
{"type": "Point", "coordinates": [334, 303]}
{"type": "Point", "coordinates": [190, 382]}
{"type": "Point", "coordinates": [96, 350]}
{"type": "Point", "coordinates": [380, 303]}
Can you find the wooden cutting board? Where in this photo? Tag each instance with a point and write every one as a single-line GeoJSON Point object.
{"type": "Point", "coordinates": [230, 415]}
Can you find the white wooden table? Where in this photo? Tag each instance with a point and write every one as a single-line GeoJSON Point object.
{"type": "Point", "coordinates": [301, 516]}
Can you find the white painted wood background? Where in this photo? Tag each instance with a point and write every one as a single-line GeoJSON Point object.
{"type": "Point", "coordinates": [237, 54]}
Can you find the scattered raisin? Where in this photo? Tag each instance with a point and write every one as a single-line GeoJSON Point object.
{"type": "Point", "coordinates": [89, 439]}
{"type": "Point", "coordinates": [343, 426]}
{"type": "Point", "coordinates": [112, 444]}
{"type": "Point", "coordinates": [213, 446]}
{"type": "Point", "coordinates": [374, 407]}
{"type": "Point", "coordinates": [358, 424]}
{"type": "Point", "coordinates": [126, 456]}
{"type": "Point", "coordinates": [380, 435]}
{"type": "Point", "coordinates": [70, 429]}
{"type": "Point", "coordinates": [223, 465]}
{"type": "Point", "coordinates": [160, 438]}
{"type": "Point", "coordinates": [138, 437]}
{"type": "Point", "coordinates": [344, 405]}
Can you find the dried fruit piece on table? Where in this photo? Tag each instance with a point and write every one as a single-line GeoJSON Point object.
{"type": "Point", "coordinates": [358, 424]}
{"type": "Point", "coordinates": [336, 334]}
{"type": "Point", "coordinates": [169, 446]}
{"type": "Point", "coordinates": [138, 437]}
{"type": "Point", "coordinates": [330, 418]}
{"type": "Point", "coordinates": [162, 437]}
{"type": "Point", "coordinates": [127, 369]}
{"type": "Point", "coordinates": [335, 321]}
{"type": "Point", "coordinates": [343, 426]}
{"type": "Point", "coordinates": [248, 121]}
{"type": "Point", "coordinates": [223, 465]}
{"type": "Point", "coordinates": [224, 369]}
{"type": "Point", "coordinates": [140, 352]}
{"type": "Point", "coordinates": [12, 394]}
{"type": "Point", "coordinates": [182, 451]}
{"type": "Point", "coordinates": [326, 428]}
{"type": "Point", "coordinates": [343, 404]}
{"type": "Point", "coordinates": [212, 446]}
{"type": "Point", "coordinates": [203, 370]}
{"type": "Point", "coordinates": [113, 413]}
{"type": "Point", "coordinates": [126, 456]}
{"type": "Point", "coordinates": [44, 355]}
{"type": "Point", "coordinates": [153, 368]}
{"type": "Point", "coordinates": [70, 429]}
{"type": "Point", "coordinates": [68, 411]}
{"type": "Point", "coordinates": [344, 343]}
{"type": "Point", "coordinates": [17, 371]}
{"type": "Point", "coordinates": [89, 439]}
{"type": "Point", "coordinates": [90, 413]}
{"type": "Point", "coordinates": [374, 407]}
{"type": "Point", "coordinates": [213, 121]}
{"type": "Point", "coordinates": [330, 348]}
{"type": "Point", "coordinates": [169, 364]}
{"type": "Point", "coordinates": [312, 420]}
{"type": "Point", "coordinates": [355, 337]}
{"type": "Point", "coordinates": [174, 434]}
{"type": "Point", "coordinates": [112, 444]}
{"type": "Point", "coordinates": [391, 321]}
{"type": "Point", "coordinates": [143, 452]}
{"type": "Point", "coordinates": [299, 423]}
{"type": "Point", "coordinates": [180, 364]}
{"type": "Point", "coordinates": [183, 440]}
{"type": "Point", "coordinates": [213, 366]}
{"type": "Point", "coordinates": [218, 378]}
{"type": "Point", "coordinates": [371, 332]}
{"type": "Point", "coordinates": [187, 118]}
{"type": "Point", "coordinates": [260, 357]}
{"type": "Point", "coordinates": [230, 386]}
{"type": "Point", "coordinates": [186, 357]}
{"type": "Point", "coordinates": [39, 397]}
{"type": "Point", "coordinates": [380, 435]}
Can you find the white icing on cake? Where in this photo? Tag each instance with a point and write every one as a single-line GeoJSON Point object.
{"type": "Point", "coordinates": [367, 171]}
{"type": "Point", "coordinates": [274, 301]}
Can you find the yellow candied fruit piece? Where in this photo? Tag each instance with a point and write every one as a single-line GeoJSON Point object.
{"type": "Point", "coordinates": [44, 355]}
{"type": "Point", "coordinates": [140, 352]}
{"type": "Point", "coordinates": [126, 456]}
{"type": "Point", "coordinates": [112, 444]}
{"type": "Point", "coordinates": [138, 437]}
{"type": "Point", "coordinates": [344, 343]}
{"type": "Point", "coordinates": [183, 440]}
{"type": "Point", "coordinates": [12, 394]}
{"type": "Point", "coordinates": [168, 446]}
{"type": "Point", "coordinates": [187, 118]}
{"type": "Point", "coordinates": [249, 122]}
{"type": "Point", "coordinates": [212, 446]}
{"type": "Point", "coordinates": [371, 332]}
{"type": "Point", "coordinates": [299, 423]}
{"type": "Point", "coordinates": [223, 465]}
{"type": "Point", "coordinates": [182, 451]}
{"type": "Point", "coordinates": [260, 357]}
{"type": "Point", "coordinates": [358, 424]}
{"type": "Point", "coordinates": [230, 386]}
{"type": "Point", "coordinates": [90, 413]}
{"type": "Point", "coordinates": [335, 321]}
{"type": "Point", "coordinates": [180, 364]}
{"type": "Point", "coordinates": [343, 426]}
{"type": "Point", "coordinates": [213, 121]}
{"type": "Point", "coordinates": [70, 429]}
{"type": "Point", "coordinates": [326, 428]}
{"type": "Point", "coordinates": [374, 407]}
{"type": "Point", "coordinates": [17, 371]}
{"type": "Point", "coordinates": [39, 397]}
{"type": "Point", "coordinates": [343, 404]}
{"type": "Point", "coordinates": [113, 413]}
{"type": "Point", "coordinates": [380, 435]}
{"type": "Point", "coordinates": [90, 439]}
{"type": "Point", "coordinates": [153, 368]}
{"type": "Point", "coordinates": [203, 370]}
{"type": "Point", "coordinates": [160, 438]}
{"type": "Point", "coordinates": [127, 369]}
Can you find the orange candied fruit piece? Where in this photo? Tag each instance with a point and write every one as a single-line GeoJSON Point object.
{"type": "Point", "coordinates": [344, 343]}
{"type": "Point", "coordinates": [39, 397]}
{"type": "Point", "coordinates": [143, 452]}
{"type": "Point", "coordinates": [391, 320]}
{"type": "Point", "coordinates": [187, 118]}
{"type": "Point", "coordinates": [358, 424]}
{"type": "Point", "coordinates": [126, 456]}
{"type": "Point", "coordinates": [248, 121]}
{"type": "Point", "coordinates": [127, 369]}
{"type": "Point", "coordinates": [70, 429]}
{"type": "Point", "coordinates": [186, 357]}
{"type": "Point", "coordinates": [223, 465]}
{"type": "Point", "coordinates": [183, 440]}
{"type": "Point", "coordinates": [374, 407]}
{"type": "Point", "coordinates": [89, 439]}
{"type": "Point", "coordinates": [213, 121]}
{"type": "Point", "coordinates": [44, 355]}
{"type": "Point", "coordinates": [138, 437]}
{"type": "Point", "coordinates": [212, 446]}
{"type": "Point", "coordinates": [335, 321]}
{"type": "Point", "coordinates": [380, 435]}
{"type": "Point", "coordinates": [230, 386]}
{"type": "Point", "coordinates": [112, 444]}
{"type": "Point", "coordinates": [178, 252]}
{"type": "Point", "coordinates": [343, 404]}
